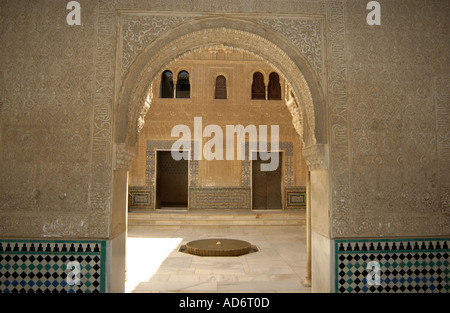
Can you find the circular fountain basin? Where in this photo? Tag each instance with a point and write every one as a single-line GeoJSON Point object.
{"type": "Point", "coordinates": [218, 247]}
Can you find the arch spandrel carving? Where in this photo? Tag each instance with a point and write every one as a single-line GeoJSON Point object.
{"type": "Point", "coordinates": [210, 32]}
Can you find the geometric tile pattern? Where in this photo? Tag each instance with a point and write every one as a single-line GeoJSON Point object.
{"type": "Point", "coordinates": [140, 197]}
{"type": "Point", "coordinates": [396, 265]}
{"type": "Point", "coordinates": [39, 266]}
{"type": "Point", "coordinates": [295, 197]}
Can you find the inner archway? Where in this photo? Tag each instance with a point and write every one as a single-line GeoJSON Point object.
{"type": "Point", "coordinates": [306, 105]}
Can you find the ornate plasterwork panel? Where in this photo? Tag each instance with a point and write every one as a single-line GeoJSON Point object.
{"type": "Point", "coordinates": [138, 31]}
{"type": "Point", "coordinates": [398, 88]}
{"type": "Point", "coordinates": [56, 89]}
{"type": "Point", "coordinates": [305, 33]}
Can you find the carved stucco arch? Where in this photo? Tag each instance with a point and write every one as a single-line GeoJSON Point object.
{"type": "Point", "coordinates": [308, 108]}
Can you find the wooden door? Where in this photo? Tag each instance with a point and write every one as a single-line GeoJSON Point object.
{"type": "Point", "coordinates": [266, 186]}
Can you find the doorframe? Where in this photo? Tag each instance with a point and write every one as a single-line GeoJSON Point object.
{"type": "Point", "coordinates": [155, 187]}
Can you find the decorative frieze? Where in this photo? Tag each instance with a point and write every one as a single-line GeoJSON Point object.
{"type": "Point", "coordinates": [442, 100]}
{"type": "Point", "coordinates": [102, 112]}
{"type": "Point", "coordinates": [338, 119]}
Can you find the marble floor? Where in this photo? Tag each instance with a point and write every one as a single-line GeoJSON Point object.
{"type": "Point", "coordinates": [155, 264]}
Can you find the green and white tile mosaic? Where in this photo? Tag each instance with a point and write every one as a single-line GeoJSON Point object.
{"type": "Point", "coordinates": [44, 266]}
{"type": "Point", "coordinates": [397, 265]}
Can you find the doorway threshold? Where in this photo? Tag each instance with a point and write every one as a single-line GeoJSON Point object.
{"type": "Point", "coordinates": [260, 211]}
{"type": "Point", "coordinates": [172, 210]}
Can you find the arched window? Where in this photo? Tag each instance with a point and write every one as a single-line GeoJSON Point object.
{"type": "Point", "coordinates": [221, 87]}
{"type": "Point", "coordinates": [183, 85]}
{"type": "Point", "coordinates": [166, 90]}
{"type": "Point", "coordinates": [274, 89]}
{"type": "Point", "coordinates": [258, 87]}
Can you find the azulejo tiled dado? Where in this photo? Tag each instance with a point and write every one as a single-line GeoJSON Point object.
{"type": "Point", "coordinates": [400, 265]}
{"type": "Point", "coordinates": [52, 266]}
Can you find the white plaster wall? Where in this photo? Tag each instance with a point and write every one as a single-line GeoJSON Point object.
{"type": "Point", "coordinates": [115, 264]}
{"type": "Point", "coordinates": [322, 264]}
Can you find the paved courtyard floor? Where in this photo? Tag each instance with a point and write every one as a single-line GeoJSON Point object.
{"type": "Point", "coordinates": [155, 264]}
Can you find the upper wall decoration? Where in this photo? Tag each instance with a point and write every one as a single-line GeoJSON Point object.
{"type": "Point", "coordinates": [305, 33]}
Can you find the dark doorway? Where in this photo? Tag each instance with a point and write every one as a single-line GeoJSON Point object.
{"type": "Point", "coordinates": [266, 185]}
{"type": "Point", "coordinates": [171, 181]}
